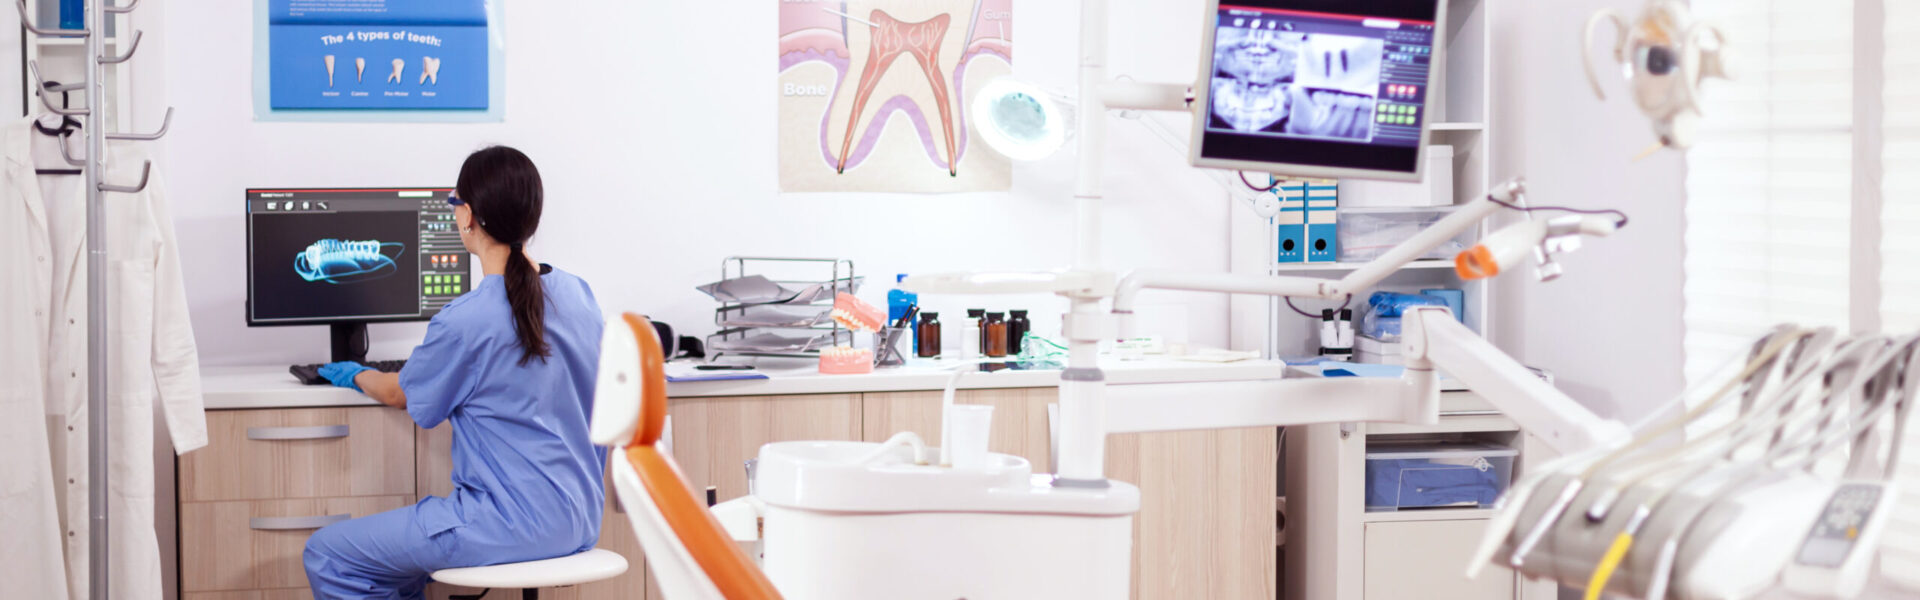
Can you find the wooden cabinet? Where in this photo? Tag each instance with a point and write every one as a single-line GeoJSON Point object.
{"type": "Point", "coordinates": [1206, 522]}
{"type": "Point", "coordinates": [301, 453]}
{"type": "Point", "coordinates": [713, 437]}
{"type": "Point", "coordinates": [256, 544]}
{"type": "Point", "coordinates": [268, 478]}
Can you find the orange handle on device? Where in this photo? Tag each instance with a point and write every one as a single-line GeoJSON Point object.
{"type": "Point", "coordinates": [1476, 263]}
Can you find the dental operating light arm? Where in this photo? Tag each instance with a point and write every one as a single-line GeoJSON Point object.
{"type": "Point", "coordinates": [1368, 275]}
{"type": "Point", "coordinates": [1439, 342]}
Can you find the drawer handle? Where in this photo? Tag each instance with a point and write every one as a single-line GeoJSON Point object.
{"type": "Point", "coordinates": [284, 523]}
{"type": "Point", "coordinates": [319, 432]}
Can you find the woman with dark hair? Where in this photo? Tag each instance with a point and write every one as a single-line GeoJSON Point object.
{"type": "Point", "coordinates": [511, 364]}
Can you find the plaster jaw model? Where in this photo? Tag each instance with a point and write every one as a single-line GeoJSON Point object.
{"type": "Point", "coordinates": [360, 70]}
{"type": "Point", "coordinates": [398, 66]}
{"type": "Point", "coordinates": [892, 37]}
{"type": "Point", "coordinates": [429, 70]}
{"type": "Point", "coordinates": [329, 59]}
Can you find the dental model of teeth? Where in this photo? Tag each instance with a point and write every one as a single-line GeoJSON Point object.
{"type": "Point", "coordinates": [845, 360]}
{"type": "Point", "coordinates": [342, 261]}
{"type": "Point", "coordinates": [856, 314]}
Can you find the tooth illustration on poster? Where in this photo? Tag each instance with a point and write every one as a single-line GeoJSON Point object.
{"type": "Point", "coordinates": [873, 96]}
{"type": "Point", "coordinates": [360, 70]}
{"type": "Point", "coordinates": [329, 59]}
{"type": "Point", "coordinates": [398, 66]}
{"type": "Point", "coordinates": [429, 70]}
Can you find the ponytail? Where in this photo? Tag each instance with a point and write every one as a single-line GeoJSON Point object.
{"type": "Point", "coordinates": [503, 189]}
{"type": "Point", "coordinates": [528, 296]}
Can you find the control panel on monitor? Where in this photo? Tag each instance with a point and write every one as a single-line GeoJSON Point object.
{"type": "Point", "coordinates": [348, 257]}
{"type": "Point", "coordinates": [1318, 88]}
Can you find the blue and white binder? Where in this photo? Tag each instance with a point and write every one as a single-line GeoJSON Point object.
{"type": "Point", "coordinates": [1290, 226]}
{"type": "Point", "coordinates": [1323, 222]}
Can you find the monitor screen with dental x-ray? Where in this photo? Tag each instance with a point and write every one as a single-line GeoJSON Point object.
{"type": "Point", "coordinates": [327, 256]}
{"type": "Point", "coordinates": [1317, 88]}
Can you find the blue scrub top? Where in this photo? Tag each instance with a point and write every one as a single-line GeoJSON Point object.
{"type": "Point", "coordinates": [527, 481]}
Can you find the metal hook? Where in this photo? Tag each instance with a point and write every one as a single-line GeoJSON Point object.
{"type": "Point", "coordinates": [165, 123]}
{"type": "Point", "coordinates": [145, 171]}
{"type": "Point", "coordinates": [122, 9]}
{"type": "Point", "coordinates": [128, 55]}
{"type": "Point", "coordinates": [78, 161]}
{"type": "Point", "coordinates": [27, 22]}
{"type": "Point", "coordinates": [33, 66]}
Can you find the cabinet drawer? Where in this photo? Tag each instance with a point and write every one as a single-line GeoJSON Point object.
{"type": "Point", "coordinates": [1428, 559]}
{"type": "Point", "coordinates": [301, 453]}
{"type": "Point", "coordinates": [255, 545]}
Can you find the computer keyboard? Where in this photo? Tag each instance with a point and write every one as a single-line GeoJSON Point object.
{"type": "Point", "coordinates": [310, 374]}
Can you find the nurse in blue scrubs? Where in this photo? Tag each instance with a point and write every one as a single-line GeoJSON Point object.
{"type": "Point", "coordinates": [511, 364]}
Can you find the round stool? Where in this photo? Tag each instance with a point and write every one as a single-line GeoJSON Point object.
{"type": "Point", "coordinates": [585, 567]}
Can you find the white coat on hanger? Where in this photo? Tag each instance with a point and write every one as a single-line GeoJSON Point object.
{"type": "Point", "coordinates": [43, 367]}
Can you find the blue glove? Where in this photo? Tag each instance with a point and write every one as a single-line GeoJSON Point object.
{"type": "Point", "coordinates": [341, 373]}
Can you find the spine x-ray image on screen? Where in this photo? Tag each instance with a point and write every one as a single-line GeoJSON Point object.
{"type": "Point", "coordinates": [1281, 82]}
{"type": "Point", "coordinates": [341, 262]}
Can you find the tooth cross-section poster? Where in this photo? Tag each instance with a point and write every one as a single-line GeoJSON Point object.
{"type": "Point", "coordinates": [378, 54]}
{"type": "Point", "coordinates": [876, 96]}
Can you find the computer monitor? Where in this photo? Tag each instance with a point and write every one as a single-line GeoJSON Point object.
{"type": "Point", "coordinates": [348, 257]}
{"type": "Point", "coordinates": [1318, 88]}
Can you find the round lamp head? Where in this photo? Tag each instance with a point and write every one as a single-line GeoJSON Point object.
{"type": "Point", "coordinates": [1019, 120]}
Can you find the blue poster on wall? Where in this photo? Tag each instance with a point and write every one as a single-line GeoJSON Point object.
{"type": "Point", "coordinates": [378, 54]}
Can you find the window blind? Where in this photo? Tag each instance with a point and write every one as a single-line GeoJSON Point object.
{"type": "Point", "coordinates": [1769, 185]}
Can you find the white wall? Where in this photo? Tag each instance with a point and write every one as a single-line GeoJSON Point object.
{"type": "Point", "coordinates": [646, 220]}
{"type": "Point", "coordinates": [1610, 329]}
{"type": "Point", "coordinates": [655, 135]}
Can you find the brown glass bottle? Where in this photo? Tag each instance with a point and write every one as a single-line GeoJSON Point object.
{"type": "Point", "coordinates": [928, 334]}
{"type": "Point", "coordinates": [1017, 328]}
{"type": "Point", "coordinates": [995, 334]}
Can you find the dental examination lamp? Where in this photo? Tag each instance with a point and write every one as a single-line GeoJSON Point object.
{"type": "Point", "coordinates": [1665, 55]}
{"type": "Point", "coordinates": [1027, 123]}
{"type": "Point", "coordinates": [1020, 120]}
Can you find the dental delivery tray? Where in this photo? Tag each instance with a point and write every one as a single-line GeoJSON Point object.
{"type": "Point", "coordinates": [1436, 474]}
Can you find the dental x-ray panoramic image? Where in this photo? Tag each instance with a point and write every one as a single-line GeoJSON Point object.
{"type": "Point", "coordinates": [1275, 81]}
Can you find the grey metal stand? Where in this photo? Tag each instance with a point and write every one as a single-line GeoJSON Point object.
{"type": "Point", "coordinates": [94, 94]}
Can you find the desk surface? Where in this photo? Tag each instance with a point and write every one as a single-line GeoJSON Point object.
{"type": "Point", "coordinates": [273, 387]}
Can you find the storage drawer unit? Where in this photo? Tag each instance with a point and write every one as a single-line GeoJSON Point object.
{"type": "Point", "coordinates": [1423, 559]}
{"type": "Point", "coordinates": [301, 453]}
{"type": "Point", "coordinates": [256, 544]}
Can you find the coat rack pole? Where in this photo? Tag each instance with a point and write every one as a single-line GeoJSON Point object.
{"type": "Point", "coordinates": [98, 479]}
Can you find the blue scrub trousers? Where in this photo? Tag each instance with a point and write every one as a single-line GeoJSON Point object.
{"type": "Point", "coordinates": [387, 555]}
